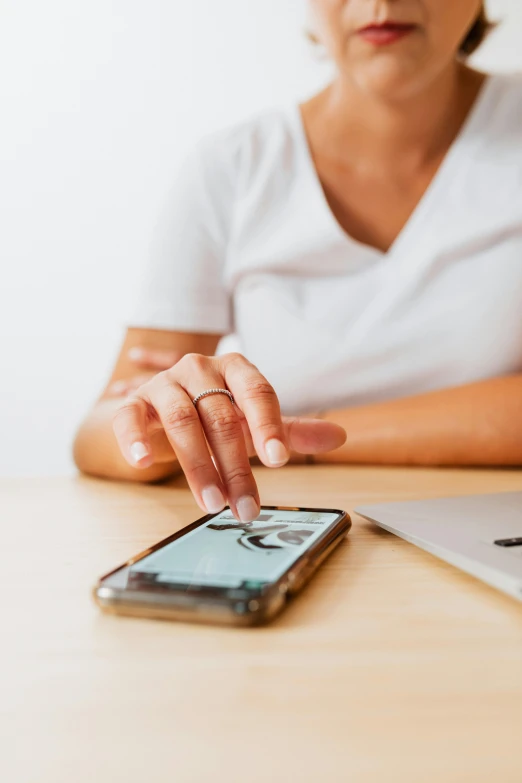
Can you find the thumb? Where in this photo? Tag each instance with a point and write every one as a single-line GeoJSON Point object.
{"type": "Point", "coordinates": [313, 436]}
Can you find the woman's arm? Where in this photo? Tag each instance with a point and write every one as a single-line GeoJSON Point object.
{"type": "Point", "coordinates": [95, 449]}
{"type": "Point", "coordinates": [143, 422]}
{"type": "Point", "coordinates": [476, 424]}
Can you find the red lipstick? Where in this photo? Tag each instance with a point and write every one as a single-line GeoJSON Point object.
{"type": "Point", "coordinates": [385, 33]}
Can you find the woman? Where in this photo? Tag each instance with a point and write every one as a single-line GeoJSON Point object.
{"type": "Point", "coordinates": [362, 252]}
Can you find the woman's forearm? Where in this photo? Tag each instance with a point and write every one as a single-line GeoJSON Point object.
{"type": "Point", "coordinates": [476, 424]}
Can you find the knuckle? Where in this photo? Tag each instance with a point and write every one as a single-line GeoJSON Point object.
{"type": "Point", "coordinates": [178, 417]}
{"type": "Point", "coordinates": [127, 407]}
{"type": "Point", "coordinates": [238, 475]}
{"type": "Point", "coordinates": [162, 378]}
{"type": "Point", "coordinates": [220, 422]}
{"type": "Point", "coordinates": [169, 360]}
{"type": "Point", "coordinates": [257, 389]}
{"type": "Point", "coordinates": [268, 426]}
{"type": "Point", "coordinates": [198, 470]}
{"type": "Point", "coordinates": [124, 422]}
{"type": "Point", "coordinates": [194, 360]}
{"type": "Point", "coordinates": [234, 358]}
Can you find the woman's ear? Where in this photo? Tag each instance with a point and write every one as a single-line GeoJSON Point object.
{"type": "Point", "coordinates": [312, 30]}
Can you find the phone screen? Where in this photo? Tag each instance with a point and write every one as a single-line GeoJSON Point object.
{"type": "Point", "coordinates": [225, 553]}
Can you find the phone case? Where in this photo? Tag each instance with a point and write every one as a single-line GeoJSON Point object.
{"type": "Point", "coordinates": [257, 611]}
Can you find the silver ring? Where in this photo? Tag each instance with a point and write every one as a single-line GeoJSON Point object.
{"type": "Point", "coordinates": [213, 391]}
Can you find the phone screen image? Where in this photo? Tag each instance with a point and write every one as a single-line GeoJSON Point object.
{"type": "Point", "coordinates": [225, 553]}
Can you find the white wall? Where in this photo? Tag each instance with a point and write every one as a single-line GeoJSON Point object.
{"type": "Point", "coordinates": [99, 101]}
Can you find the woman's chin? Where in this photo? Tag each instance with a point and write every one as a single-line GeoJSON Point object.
{"type": "Point", "coordinates": [388, 79]}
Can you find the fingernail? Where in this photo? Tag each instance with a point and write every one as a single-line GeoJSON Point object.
{"type": "Point", "coordinates": [213, 499]}
{"type": "Point", "coordinates": [276, 452]}
{"type": "Point", "coordinates": [135, 353]}
{"type": "Point", "coordinates": [247, 508]}
{"type": "Point", "coordinates": [138, 451]}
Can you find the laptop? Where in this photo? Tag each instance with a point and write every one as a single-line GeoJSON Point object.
{"type": "Point", "coordinates": [480, 534]}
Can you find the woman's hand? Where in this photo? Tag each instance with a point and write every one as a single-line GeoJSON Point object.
{"type": "Point", "coordinates": [213, 440]}
{"type": "Point", "coordinates": [151, 361]}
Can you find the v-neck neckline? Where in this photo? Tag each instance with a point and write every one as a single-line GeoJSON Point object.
{"type": "Point", "coordinates": [462, 140]}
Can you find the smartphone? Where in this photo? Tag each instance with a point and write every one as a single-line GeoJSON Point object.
{"type": "Point", "coordinates": [223, 571]}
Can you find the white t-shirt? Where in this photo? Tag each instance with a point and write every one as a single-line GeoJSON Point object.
{"type": "Point", "coordinates": [248, 247]}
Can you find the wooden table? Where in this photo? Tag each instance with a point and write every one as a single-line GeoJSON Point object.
{"type": "Point", "coordinates": [391, 666]}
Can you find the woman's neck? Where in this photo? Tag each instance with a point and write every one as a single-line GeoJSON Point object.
{"type": "Point", "coordinates": [359, 126]}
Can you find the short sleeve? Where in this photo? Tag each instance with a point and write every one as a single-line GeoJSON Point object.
{"type": "Point", "coordinates": [181, 283]}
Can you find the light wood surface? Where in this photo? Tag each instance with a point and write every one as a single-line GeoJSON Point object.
{"type": "Point", "coordinates": [391, 665]}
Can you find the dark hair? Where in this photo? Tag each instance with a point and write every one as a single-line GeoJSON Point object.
{"type": "Point", "coordinates": [476, 33]}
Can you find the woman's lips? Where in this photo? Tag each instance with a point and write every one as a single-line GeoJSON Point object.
{"type": "Point", "coordinates": [387, 33]}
